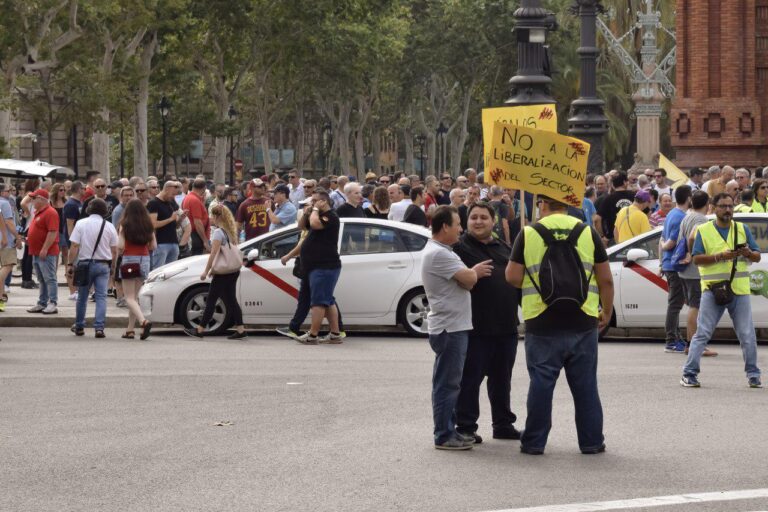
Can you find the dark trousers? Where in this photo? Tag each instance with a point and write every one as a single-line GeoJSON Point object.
{"type": "Point", "coordinates": [303, 307]}
{"type": "Point", "coordinates": [223, 286]}
{"type": "Point", "coordinates": [26, 265]}
{"type": "Point", "coordinates": [546, 355]}
{"type": "Point", "coordinates": [492, 357]}
{"type": "Point", "coordinates": [198, 247]}
{"type": "Point", "coordinates": [675, 301]}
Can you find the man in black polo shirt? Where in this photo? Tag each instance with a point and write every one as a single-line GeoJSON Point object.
{"type": "Point", "coordinates": [493, 339]}
{"type": "Point", "coordinates": [164, 213]}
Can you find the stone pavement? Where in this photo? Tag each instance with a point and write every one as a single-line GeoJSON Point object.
{"type": "Point", "coordinates": [19, 299]}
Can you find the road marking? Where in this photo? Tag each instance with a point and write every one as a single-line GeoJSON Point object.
{"type": "Point", "coordinates": [656, 501]}
{"type": "Point", "coordinates": [294, 383]}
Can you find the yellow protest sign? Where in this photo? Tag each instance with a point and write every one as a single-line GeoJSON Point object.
{"type": "Point", "coordinates": [675, 177]}
{"type": "Point", "coordinates": [539, 162]}
{"type": "Point", "coordinates": [542, 117]}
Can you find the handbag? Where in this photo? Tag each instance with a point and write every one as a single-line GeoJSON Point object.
{"type": "Point", "coordinates": [297, 272]}
{"type": "Point", "coordinates": [228, 260]}
{"type": "Point", "coordinates": [81, 274]}
{"type": "Point", "coordinates": [130, 270]}
{"type": "Point", "coordinates": [679, 253]}
{"type": "Point", "coordinates": [721, 290]}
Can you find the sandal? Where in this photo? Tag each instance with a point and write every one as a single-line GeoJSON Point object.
{"type": "Point", "coordinates": [146, 327]}
{"type": "Point", "coordinates": [129, 335]}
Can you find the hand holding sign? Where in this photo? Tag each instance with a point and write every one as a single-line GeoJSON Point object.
{"type": "Point", "coordinates": [539, 162]}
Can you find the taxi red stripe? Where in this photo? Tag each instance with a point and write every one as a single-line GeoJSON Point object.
{"type": "Point", "coordinates": [273, 279]}
{"type": "Point", "coordinates": [650, 276]}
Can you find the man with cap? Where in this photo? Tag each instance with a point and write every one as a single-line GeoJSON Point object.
{"type": "Point", "coordinates": [632, 220]}
{"type": "Point", "coordinates": [252, 214]}
{"type": "Point", "coordinates": [285, 212]}
{"type": "Point", "coordinates": [370, 178]}
{"type": "Point", "coordinates": [43, 243]}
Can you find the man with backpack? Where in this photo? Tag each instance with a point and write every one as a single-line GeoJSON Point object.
{"type": "Point", "coordinates": [562, 267]}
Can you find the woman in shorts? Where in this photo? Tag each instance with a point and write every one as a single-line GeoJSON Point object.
{"type": "Point", "coordinates": [136, 240]}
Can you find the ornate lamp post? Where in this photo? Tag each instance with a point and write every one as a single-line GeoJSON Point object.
{"type": "Point", "coordinates": [165, 108]}
{"type": "Point", "coordinates": [588, 121]}
{"type": "Point", "coordinates": [421, 140]}
{"type": "Point", "coordinates": [440, 145]}
{"type": "Point", "coordinates": [530, 86]}
{"type": "Point", "coordinates": [232, 113]}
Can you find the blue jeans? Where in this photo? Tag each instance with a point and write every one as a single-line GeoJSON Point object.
{"type": "Point", "coordinates": [710, 313]}
{"type": "Point", "coordinates": [450, 351]}
{"type": "Point", "coordinates": [98, 276]}
{"type": "Point", "coordinates": [546, 356]}
{"type": "Point", "coordinates": [165, 253]}
{"type": "Point", "coordinates": [46, 274]}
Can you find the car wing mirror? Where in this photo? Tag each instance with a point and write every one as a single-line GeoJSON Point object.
{"type": "Point", "coordinates": [635, 255]}
{"type": "Point", "coordinates": [253, 255]}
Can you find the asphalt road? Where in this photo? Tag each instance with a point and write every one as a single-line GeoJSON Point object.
{"type": "Point", "coordinates": [113, 425]}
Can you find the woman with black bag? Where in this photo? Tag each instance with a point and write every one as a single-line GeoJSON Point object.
{"type": "Point", "coordinates": [225, 276]}
{"type": "Point", "coordinates": [137, 239]}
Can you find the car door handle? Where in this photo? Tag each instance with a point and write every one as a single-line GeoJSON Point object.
{"type": "Point", "coordinates": [396, 266]}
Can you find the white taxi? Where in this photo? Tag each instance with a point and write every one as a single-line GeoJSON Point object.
{"type": "Point", "coordinates": [641, 293]}
{"type": "Point", "coordinates": [380, 282]}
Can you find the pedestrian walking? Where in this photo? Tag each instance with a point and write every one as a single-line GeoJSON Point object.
{"type": "Point", "coordinates": [722, 250]}
{"type": "Point", "coordinates": [10, 241]}
{"type": "Point", "coordinates": [492, 346]}
{"type": "Point", "coordinates": [135, 243]}
{"type": "Point", "coordinates": [71, 214]}
{"type": "Point", "coordinates": [43, 242]}
{"type": "Point", "coordinates": [165, 215]}
{"type": "Point", "coordinates": [94, 249]}
{"type": "Point", "coordinates": [223, 286]}
{"type": "Point", "coordinates": [447, 283]}
{"type": "Point", "coordinates": [675, 342]}
{"type": "Point", "coordinates": [562, 267]}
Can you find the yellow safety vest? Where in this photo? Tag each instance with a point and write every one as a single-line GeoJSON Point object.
{"type": "Point", "coordinates": [742, 208]}
{"type": "Point", "coordinates": [721, 271]}
{"type": "Point", "coordinates": [560, 225]}
{"type": "Point", "coordinates": [758, 208]}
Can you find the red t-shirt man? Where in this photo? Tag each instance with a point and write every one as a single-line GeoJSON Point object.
{"type": "Point", "coordinates": [46, 220]}
{"type": "Point", "coordinates": [196, 207]}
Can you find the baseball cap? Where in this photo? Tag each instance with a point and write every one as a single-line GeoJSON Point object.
{"type": "Point", "coordinates": [116, 184]}
{"type": "Point", "coordinates": [643, 196]}
{"type": "Point", "coordinates": [41, 192]}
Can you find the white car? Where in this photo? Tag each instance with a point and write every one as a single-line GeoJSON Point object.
{"type": "Point", "coordinates": [641, 293]}
{"type": "Point", "coordinates": [380, 282]}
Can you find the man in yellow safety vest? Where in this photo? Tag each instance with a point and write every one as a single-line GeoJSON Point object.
{"type": "Point", "coordinates": [721, 251]}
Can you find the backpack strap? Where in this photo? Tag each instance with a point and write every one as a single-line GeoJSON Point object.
{"type": "Point", "coordinates": [544, 233]}
{"type": "Point", "coordinates": [573, 237]}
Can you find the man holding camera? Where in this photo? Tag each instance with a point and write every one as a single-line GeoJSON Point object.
{"type": "Point", "coordinates": [721, 251]}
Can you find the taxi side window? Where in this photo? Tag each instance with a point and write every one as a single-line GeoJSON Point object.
{"type": "Point", "coordinates": [650, 244]}
{"type": "Point", "coordinates": [276, 248]}
{"type": "Point", "coordinates": [759, 229]}
{"type": "Point", "coordinates": [368, 239]}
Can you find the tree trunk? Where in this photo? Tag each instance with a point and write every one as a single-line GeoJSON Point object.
{"type": "Point", "coordinates": [100, 148]}
{"type": "Point", "coordinates": [220, 159]}
{"type": "Point", "coordinates": [476, 153]}
{"type": "Point", "coordinates": [359, 154]}
{"type": "Point", "coordinates": [5, 129]}
{"type": "Point", "coordinates": [264, 140]}
{"type": "Point", "coordinates": [461, 136]}
{"type": "Point", "coordinates": [408, 166]}
{"type": "Point", "coordinates": [376, 150]}
{"type": "Point", "coordinates": [140, 128]}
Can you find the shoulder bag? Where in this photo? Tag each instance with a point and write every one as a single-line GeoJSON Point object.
{"type": "Point", "coordinates": [722, 290]}
{"type": "Point", "coordinates": [82, 271]}
{"type": "Point", "coordinates": [228, 260]}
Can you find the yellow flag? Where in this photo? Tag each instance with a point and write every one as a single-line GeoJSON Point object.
{"type": "Point", "coordinates": [675, 177]}
{"type": "Point", "coordinates": [539, 162]}
{"type": "Point", "coordinates": [542, 117]}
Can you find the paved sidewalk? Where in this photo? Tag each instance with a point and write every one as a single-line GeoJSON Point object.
{"type": "Point", "coordinates": [19, 299]}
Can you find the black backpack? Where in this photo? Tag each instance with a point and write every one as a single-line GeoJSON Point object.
{"type": "Point", "coordinates": [561, 274]}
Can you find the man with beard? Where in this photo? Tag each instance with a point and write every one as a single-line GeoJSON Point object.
{"type": "Point", "coordinates": [493, 339]}
{"type": "Point", "coordinates": [721, 251]}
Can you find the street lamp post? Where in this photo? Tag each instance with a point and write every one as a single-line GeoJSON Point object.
{"type": "Point", "coordinates": [421, 140]}
{"type": "Point", "coordinates": [165, 108]}
{"type": "Point", "coordinates": [530, 85]}
{"type": "Point", "coordinates": [327, 143]}
{"type": "Point", "coordinates": [440, 146]}
{"type": "Point", "coordinates": [588, 121]}
{"type": "Point", "coordinates": [232, 113]}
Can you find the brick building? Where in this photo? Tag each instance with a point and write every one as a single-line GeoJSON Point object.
{"type": "Point", "coordinates": [720, 112]}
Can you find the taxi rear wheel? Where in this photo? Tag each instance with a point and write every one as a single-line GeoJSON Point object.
{"type": "Point", "coordinates": [412, 312]}
{"type": "Point", "coordinates": [192, 307]}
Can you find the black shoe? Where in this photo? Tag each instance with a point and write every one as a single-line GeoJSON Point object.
{"type": "Point", "coordinates": [237, 335]}
{"type": "Point", "coordinates": [29, 285]}
{"type": "Point", "coordinates": [471, 436]}
{"type": "Point", "coordinates": [193, 332]}
{"type": "Point", "coordinates": [593, 451]}
{"type": "Point", "coordinates": [79, 331]}
{"type": "Point", "coordinates": [509, 432]}
{"type": "Point", "coordinates": [532, 451]}
{"type": "Point", "coordinates": [100, 334]}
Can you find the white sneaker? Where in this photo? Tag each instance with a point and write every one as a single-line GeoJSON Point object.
{"type": "Point", "coordinates": [37, 308]}
{"type": "Point", "coordinates": [73, 296]}
{"type": "Point", "coordinates": [50, 309]}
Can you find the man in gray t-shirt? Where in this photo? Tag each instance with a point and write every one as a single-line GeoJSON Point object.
{"type": "Point", "coordinates": [689, 277]}
{"type": "Point", "coordinates": [447, 282]}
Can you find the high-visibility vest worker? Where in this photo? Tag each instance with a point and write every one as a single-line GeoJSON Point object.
{"type": "Point", "coordinates": [560, 225]}
{"type": "Point", "coordinates": [759, 208]}
{"type": "Point", "coordinates": [721, 270]}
